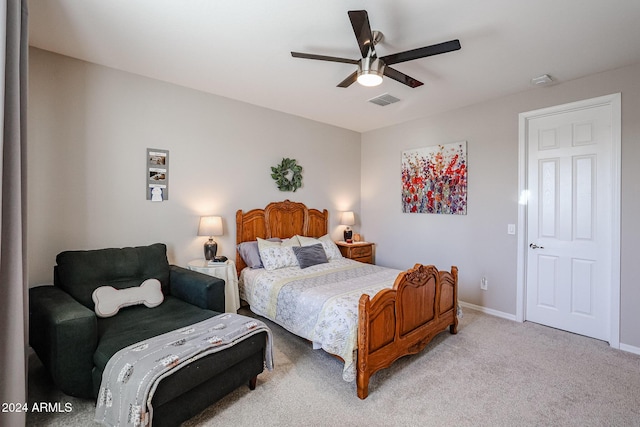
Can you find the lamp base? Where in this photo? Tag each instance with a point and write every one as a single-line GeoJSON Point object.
{"type": "Point", "coordinates": [348, 235]}
{"type": "Point", "coordinates": [210, 250]}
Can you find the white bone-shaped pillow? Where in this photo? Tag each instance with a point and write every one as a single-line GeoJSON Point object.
{"type": "Point", "coordinates": [109, 300]}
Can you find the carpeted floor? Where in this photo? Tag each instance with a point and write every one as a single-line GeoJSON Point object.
{"type": "Point", "coordinates": [494, 372]}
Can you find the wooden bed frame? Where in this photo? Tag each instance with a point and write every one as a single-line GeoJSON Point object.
{"type": "Point", "coordinates": [395, 322]}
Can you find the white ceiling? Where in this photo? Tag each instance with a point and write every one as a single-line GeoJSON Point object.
{"type": "Point", "coordinates": [240, 49]}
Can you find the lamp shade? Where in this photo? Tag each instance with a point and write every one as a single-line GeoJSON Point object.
{"type": "Point", "coordinates": [210, 226]}
{"type": "Point", "coordinates": [348, 218]}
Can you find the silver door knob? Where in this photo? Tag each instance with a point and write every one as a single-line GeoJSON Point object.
{"type": "Point", "coordinates": [534, 246]}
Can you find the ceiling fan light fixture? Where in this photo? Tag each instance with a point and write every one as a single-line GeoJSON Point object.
{"type": "Point", "coordinates": [369, 79]}
{"type": "Point", "coordinates": [370, 71]}
{"type": "Point", "coordinates": [370, 67]}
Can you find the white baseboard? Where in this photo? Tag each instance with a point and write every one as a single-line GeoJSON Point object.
{"type": "Point", "coordinates": [623, 347]}
{"type": "Point", "coordinates": [629, 348]}
{"type": "Point", "coordinates": [486, 310]}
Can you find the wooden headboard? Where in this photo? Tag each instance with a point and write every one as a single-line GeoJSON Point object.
{"type": "Point", "coordinates": [279, 219]}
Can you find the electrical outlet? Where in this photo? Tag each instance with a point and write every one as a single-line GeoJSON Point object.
{"type": "Point", "coordinates": [484, 283]}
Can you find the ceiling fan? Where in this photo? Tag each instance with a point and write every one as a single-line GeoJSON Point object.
{"type": "Point", "coordinates": [370, 67]}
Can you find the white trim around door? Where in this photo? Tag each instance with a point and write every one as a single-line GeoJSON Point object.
{"type": "Point", "coordinates": [614, 101]}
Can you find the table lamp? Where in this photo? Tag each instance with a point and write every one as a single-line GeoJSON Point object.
{"type": "Point", "coordinates": [210, 226]}
{"type": "Point", "coordinates": [348, 219]}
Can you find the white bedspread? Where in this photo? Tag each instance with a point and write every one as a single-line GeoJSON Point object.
{"type": "Point", "coordinates": [318, 303]}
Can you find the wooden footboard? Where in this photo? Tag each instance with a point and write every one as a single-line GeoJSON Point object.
{"type": "Point", "coordinates": [403, 320]}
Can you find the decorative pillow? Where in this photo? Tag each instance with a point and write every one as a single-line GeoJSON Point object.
{"type": "Point", "coordinates": [310, 255]}
{"type": "Point", "coordinates": [250, 253]}
{"type": "Point", "coordinates": [292, 241]}
{"type": "Point", "coordinates": [109, 300]}
{"type": "Point", "coordinates": [307, 241]}
{"type": "Point", "coordinates": [276, 255]}
{"type": "Point", "coordinates": [330, 248]}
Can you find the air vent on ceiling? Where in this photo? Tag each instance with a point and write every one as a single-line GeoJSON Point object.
{"type": "Point", "coordinates": [542, 80]}
{"type": "Point", "coordinates": [384, 99]}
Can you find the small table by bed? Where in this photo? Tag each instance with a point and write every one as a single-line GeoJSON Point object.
{"type": "Point", "coordinates": [357, 251]}
{"type": "Point", "coordinates": [225, 271]}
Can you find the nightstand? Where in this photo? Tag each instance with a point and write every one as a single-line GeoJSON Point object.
{"type": "Point", "coordinates": [225, 271]}
{"type": "Point", "coordinates": [357, 251]}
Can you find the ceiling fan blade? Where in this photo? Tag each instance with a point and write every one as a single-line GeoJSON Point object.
{"type": "Point", "coordinates": [362, 30]}
{"type": "Point", "coordinates": [349, 80]}
{"type": "Point", "coordinates": [324, 58]}
{"type": "Point", "coordinates": [401, 77]}
{"type": "Point", "coordinates": [422, 52]}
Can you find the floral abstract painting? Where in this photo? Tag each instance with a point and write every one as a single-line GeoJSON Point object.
{"type": "Point", "coordinates": [434, 179]}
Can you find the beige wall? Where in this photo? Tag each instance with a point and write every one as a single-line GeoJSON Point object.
{"type": "Point", "coordinates": [478, 243]}
{"type": "Point", "coordinates": [90, 126]}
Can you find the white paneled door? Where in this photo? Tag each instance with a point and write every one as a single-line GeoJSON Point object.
{"type": "Point", "coordinates": [569, 219]}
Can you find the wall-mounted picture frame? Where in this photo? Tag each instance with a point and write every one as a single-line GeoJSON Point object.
{"type": "Point", "coordinates": [157, 175]}
{"type": "Point", "coordinates": [434, 179]}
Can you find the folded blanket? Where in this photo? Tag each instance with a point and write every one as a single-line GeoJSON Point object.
{"type": "Point", "coordinates": [131, 376]}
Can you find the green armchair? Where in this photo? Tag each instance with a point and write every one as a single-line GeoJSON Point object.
{"type": "Point", "coordinates": [75, 345]}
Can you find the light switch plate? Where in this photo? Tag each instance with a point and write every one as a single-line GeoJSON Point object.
{"type": "Point", "coordinates": [511, 229]}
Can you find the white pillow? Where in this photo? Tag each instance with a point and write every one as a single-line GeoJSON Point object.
{"type": "Point", "coordinates": [330, 248]}
{"type": "Point", "coordinates": [307, 241]}
{"type": "Point", "coordinates": [109, 300]}
{"type": "Point", "coordinates": [292, 241]}
{"type": "Point", "coordinates": [276, 255]}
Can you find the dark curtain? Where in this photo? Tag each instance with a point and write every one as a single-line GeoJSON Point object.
{"type": "Point", "coordinates": [13, 233]}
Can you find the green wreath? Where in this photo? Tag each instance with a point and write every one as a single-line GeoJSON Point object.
{"type": "Point", "coordinates": [288, 175]}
